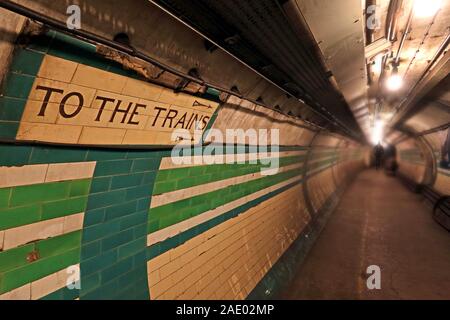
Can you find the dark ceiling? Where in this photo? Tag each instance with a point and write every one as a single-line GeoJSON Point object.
{"type": "Point", "coordinates": [258, 33]}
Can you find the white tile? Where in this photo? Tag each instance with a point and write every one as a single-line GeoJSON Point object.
{"type": "Point", "coordinates": [20, 176]}
{"type": "Point", "coordinates": [21, 293]}
{"type": "Point", "coordinates": [70, 171]}
{"type": "Point", "coordinates": [37, 231]}
{"type": "Point", "coordinates": [73, 223]}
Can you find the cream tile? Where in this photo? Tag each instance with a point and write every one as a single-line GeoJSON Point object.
{"type": "Point", "coordinates": [86, 117]}
{"type": "Point", "coordinates": [139, 137]}
{"type": "Point", "coordinates": [21, 293]}
{"type": "Point", "coordinates": [70, 171]}
{"type": "Point", "coordinates": [20, 176]}
{"type": "Point", "coordinates": [2, 237]}
{"type": "Point", "coordinates": [33, 108]}
{"type": "Point", "coordinates": [140, 119]}
{"type": "Point", "coordinates": [105, 136]}
{"type": "Point", "coordinates": [73, 223]}
{"type": "Point", "coordinates": [57, 69]}
{"type": "Point", "coordinates": [169, 97]}
{"type": "Point", "coordinates": [144, 90]}
{"type": "Point", "coordinates": [40, 94]}
{"type": "Point", "coordinates": [48, 132]}
{"type": "Point", "coordinates": [98, 79]}
{"type": "Point", "coordinates": [37, 231]}
{"type": "Point", "coordinates": [44, 286]}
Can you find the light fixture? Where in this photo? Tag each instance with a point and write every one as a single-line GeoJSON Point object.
{"type": "Point", "coordinates": [395, 81]}
{"type": "Point", "coordinates": [426, 8]}
{"type": "Point", "coordinates": [377, 132]}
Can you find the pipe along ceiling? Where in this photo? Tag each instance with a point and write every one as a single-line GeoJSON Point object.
{"type": "Point", "coordinates": [363, 66]}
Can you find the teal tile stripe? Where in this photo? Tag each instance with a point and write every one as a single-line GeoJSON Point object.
{"type": "Point", "coordinates": [166, 245]}
{"type": "Point", "coordinates": [173, 242]}
{"type": "Point", "coordinates": [15, 90]}
{"type": "Point", "coordinates": [113, 244]}
{"type": "Point", "coordinates": [182, 178]}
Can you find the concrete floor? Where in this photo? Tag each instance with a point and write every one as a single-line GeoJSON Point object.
{"type": "Point", "coordinates": [378, 222]}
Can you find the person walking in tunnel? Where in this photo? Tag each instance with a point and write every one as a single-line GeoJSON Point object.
{"type": "Point", "coordinates": [378, 153]}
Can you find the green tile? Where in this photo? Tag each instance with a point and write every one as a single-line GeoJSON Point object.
{"type": "Point", "coordinates": [99, 231]}
{"type": "Point", "coordinates": [117, 239]}
{"type": "Point", "coordinates": [139, 192]}
{"type": "Point", "coordinates": [11, 109]}
{"type": "Point", "coordinates": [163, 187]}
{"type": "Point", "coordinates": [58, 245]}
{"type": "Point", "coordinates": [100, 184]}
{"type": "Point", "coordinates": [39, 193]}
{"type": "Point", "coordinates": [61, 208]}
{"type": "Point", "coordinates": [37, 270]}
{"type": "Point", "coordinates": [14, 258]}
{"type": "Point", "coordinates": [116, 270]}
{"type": "Point", "coordinates": [14, 155]}
{"type": "Point", "coordinates": [145, 165]}
{"type": "Point", "coordinates": [153, 225]}
{"type": "Point", "coordinates": [134, 219]}
{"type": "Point", "coordinates": [149, 177]}
{"type": "Point", "coordinates": [57, 295]}
{"type": "Point", "coordinates": [70, 294]}
{"type": "Point", "coordinates": [105, 154]}
{"type": "Point", "coordinates": [175, 212]}
{"type": "Point", "coordinates": [18, 85]}
{"type": "Point", "coordinates": [26, 62]}
{"type": "Point", "coordinates": [90, 250]}
{"type": "Point", "coordinates": [106, 199]}
{"type": "Point", "coordinates": [94, 217]}
{"type": "Point", "coordinates": [8, 130]}
{"type": "Point", "coordinates": [80, 187]}
{"type": "Point", "coordinates": [126, 181]}
{"type": "Point", "coordinates": [120, 210]}
{"type": "Point", "coordinates": [4, 197]}
{"type": "Point", "coordinates": [91, 282]}
{"type": "Point", "coordinates": [109, 168]}
{"type": "Point", "coordinates": [57, 155]}
{"type": "Point", "coordinates": [99, 262]}
{"type": "Point", "coordinates": [15, 217]}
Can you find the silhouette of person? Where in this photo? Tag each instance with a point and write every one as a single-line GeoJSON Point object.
{"type": "Point", "coordinates": [378, 152]}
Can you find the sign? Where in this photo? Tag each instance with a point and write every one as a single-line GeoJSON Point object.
{"type": "Point", "coordinates": [77, 104]}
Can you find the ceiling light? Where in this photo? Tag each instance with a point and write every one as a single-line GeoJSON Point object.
{"type": "Point", "coordinates": [377, 132]}
{"type": "Point", "coordinates": [395, 81]}
{"type": "Point", "coordinates": [426, 8]}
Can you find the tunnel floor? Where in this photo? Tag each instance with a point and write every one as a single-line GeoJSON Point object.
{"type": "Point", "coordinates": [378, 222]}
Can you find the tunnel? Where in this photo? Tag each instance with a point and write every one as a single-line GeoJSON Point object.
{"type": "Point", "coordinates": [224, 150]}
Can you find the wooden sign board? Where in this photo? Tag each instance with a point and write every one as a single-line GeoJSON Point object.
{"type": "Point", "coordinates": [73, 103]}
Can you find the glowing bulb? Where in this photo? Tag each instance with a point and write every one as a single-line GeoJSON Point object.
{"type": "Point", "coordinates": [426, 8]}
{"type": "Point", "coordinates": [377, 132]}
{"type": "Point", "coordinates": [394, 82]}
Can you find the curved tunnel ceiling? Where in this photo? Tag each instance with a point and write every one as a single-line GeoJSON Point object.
{"type": "Point", "coordinates": [260, 34]}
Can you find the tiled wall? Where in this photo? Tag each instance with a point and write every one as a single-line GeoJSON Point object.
{"type": "Point", "coordinates": [436, 141]}
{"type": "Point", "coordinates": [413, 164]}
{"type": "Point", "coordinates": [133, 225]}
{"type": "Point", "coordinates": [66, 206]}
{"type": "Point", "coordinates": [411, 160]}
